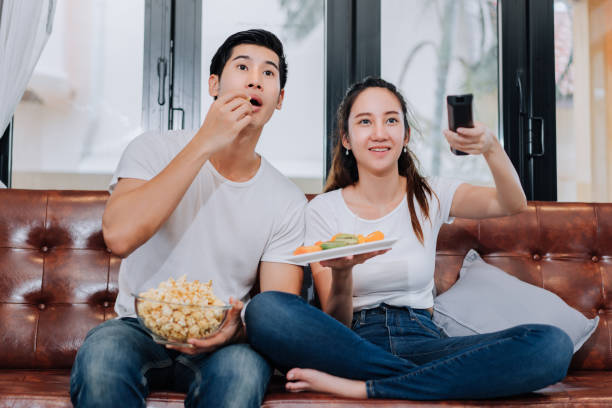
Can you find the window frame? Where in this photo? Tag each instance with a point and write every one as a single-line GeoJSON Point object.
{"type": "Point", "coordinates": [352, 40]}
{"type": "Point", "coordinates": [352, 52]}
{"type": "Point", "coordinates": [172, 42]}
{"type": "Point", "coordinates": [527, 52]}
{"type": "Point", "coordinates": [6, 153]}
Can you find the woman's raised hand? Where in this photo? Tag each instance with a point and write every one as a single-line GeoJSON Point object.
{"type": "Point", "coordinates": [346, 263]}
{"type": "Point", "coordinates": [476, 140]}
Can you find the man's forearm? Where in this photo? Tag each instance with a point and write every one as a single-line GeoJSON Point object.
{"type": "Point", "coordinates": [132, 217]}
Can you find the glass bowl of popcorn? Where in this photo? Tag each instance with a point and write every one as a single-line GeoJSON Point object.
{"type": "Point", "coordinates": [178, 310]}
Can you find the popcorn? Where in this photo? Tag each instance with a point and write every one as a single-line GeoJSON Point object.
{"type": "Point", "coordinates": [182, 316]}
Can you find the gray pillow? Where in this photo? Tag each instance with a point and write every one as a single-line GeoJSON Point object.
{"type": "Point", "coordinates": [484, 300]}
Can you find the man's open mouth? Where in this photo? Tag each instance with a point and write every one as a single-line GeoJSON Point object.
{"type": "Point", "coordinates": [255, 101]}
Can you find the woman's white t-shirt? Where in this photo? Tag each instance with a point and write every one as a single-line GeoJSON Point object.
{"type": "Point", "coordinates": [219, 231]}
{"type": "Point", "coordinates": [404, 276]}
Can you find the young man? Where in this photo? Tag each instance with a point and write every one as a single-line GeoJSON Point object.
{"type": "Point", "coordinates": [203, 204]}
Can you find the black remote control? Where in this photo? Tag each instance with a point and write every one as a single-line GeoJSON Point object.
{"type": "Point", "coordinates": [459, 114]}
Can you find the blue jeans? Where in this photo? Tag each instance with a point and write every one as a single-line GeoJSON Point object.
{"type": "Point", "coordinates": [401, 353]}
{"type": "Point", "coordinates": [119, 363]}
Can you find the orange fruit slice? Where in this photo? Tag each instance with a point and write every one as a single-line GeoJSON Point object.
{"type": "Point", "coordinates": [374, 236]}
{"type": "Point", "coordinates": [306, 249]}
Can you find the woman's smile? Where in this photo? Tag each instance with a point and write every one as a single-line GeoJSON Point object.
{"type": "Point", "coordinates": [379, 150]}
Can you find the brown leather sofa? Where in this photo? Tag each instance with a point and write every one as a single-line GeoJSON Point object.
{"type": "Point", "coordinates": [58, 280]}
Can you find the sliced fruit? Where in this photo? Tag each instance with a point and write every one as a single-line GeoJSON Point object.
{"type": "Point", "coordinates": [375, 236]}
{"type": "Point", "coordinates": [348, 241]}
{"type": "Point", "coordinates": [340, 240]}
{"type": "Point", "coordinates": [307, 249]}
{"type": "Point", "coordinates": [333, 244]}
{"type": "Point", "coordinates": [344, 236]}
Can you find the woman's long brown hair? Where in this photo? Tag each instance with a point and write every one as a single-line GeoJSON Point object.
{"type": "Point", "coordinates": [344, 171]}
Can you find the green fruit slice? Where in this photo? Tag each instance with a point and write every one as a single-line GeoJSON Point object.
{"type": "Point", "coordinates": [333, 244]}
{"type": "Point", "coordinates": [348, 241]}
{"type": "Point", "coordinates": [346, 236]}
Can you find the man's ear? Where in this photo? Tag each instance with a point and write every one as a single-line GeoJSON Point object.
{"type": "Point", "coordinates": [213, 85]}
{"type": "Point", "coordinates": [281, 96]}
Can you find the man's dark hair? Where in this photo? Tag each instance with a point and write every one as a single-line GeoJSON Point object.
{"type": "Point", "coordinates": [256, 37]}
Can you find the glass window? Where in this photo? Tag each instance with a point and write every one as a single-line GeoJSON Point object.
{"type": "Point", "coordinates": [294, 139]}
{"type": "Point", "coordinates": [83, 103]}
{"type": "Point", "coordinates": [431, 49]}
{"type": "Point", "coordinates": [583, 73]}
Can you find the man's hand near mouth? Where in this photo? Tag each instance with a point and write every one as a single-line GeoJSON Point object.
{"type": "Point", "coordinates": [226, 118]}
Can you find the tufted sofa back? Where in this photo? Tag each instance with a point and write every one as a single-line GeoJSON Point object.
{"type": "Point", "coordinates": [565, 248]}
{"type": "Point", "coordinates": [57, 279]}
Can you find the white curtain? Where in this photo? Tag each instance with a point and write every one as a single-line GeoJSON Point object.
{"type": "Point", "coordinates": [25, 26]}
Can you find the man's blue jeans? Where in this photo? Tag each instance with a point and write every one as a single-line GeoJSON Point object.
{"type": "Point", "coordinates": [401, 353]}
{"type": "Point", "coordinates": [119, 363]}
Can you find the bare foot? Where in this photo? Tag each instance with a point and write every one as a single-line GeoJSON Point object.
{"type": "Point", "coordinates": [306, 379]}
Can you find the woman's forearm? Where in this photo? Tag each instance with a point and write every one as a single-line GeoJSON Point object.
{"type": "Point", "coordinates": [510, 194]}
{"type": "Point", "coordinates": [340, 301]}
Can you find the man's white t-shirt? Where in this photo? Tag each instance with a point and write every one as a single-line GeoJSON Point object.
{"type": "Point", "coordinates": [404, 276]}
{"type": "Point", "coordinates": [219, 231]}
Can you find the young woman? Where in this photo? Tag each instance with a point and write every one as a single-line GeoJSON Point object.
{"type": "Point", "coordinates": [375, 337]}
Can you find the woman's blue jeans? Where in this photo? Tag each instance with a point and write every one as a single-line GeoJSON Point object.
{"type": "Point", "coordinates": [401, 353]}
{"type": "Point", "coordinates": [119, 363]}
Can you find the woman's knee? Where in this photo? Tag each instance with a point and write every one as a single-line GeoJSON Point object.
{"type": "Point", "coordinates": [561, 351]}
{"type": "Point", "coordinates": [554, 349]}
{"type": "Point", "coordinates": [266, 308]}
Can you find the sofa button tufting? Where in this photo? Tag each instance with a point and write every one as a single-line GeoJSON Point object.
{"type": "Point", "coordinates": [536, 257]}
{"type": "Point", "coordinates": [44, 248]}
{"type": "Point", "coordinates": [106, 303]}
{"type": "Point", "coordinates": [595, 259]}
{"type": "Point", "coordinates": [42, 306]}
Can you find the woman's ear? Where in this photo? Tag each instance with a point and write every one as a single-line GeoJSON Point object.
{"type": "Point", "coordinates": [345, 141]}
{"type": "Point", "coordinates": [407, 138]}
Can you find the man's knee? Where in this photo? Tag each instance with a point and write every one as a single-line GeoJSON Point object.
{"type": "Point", "coordinates": [241, 362]}
{"type": "Point", "coordinates": [99, 384]}
{"type": "Point", "coordinates": [235, 376]}
{"type": "Point", "coordinates": [105, 365]}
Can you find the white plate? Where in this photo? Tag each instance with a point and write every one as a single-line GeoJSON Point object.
{"type": "Point", "coordinates": [356, 249]}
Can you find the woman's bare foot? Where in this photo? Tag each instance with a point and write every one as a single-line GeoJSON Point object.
{"type": "Point", "coordinates": [306, 379]}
